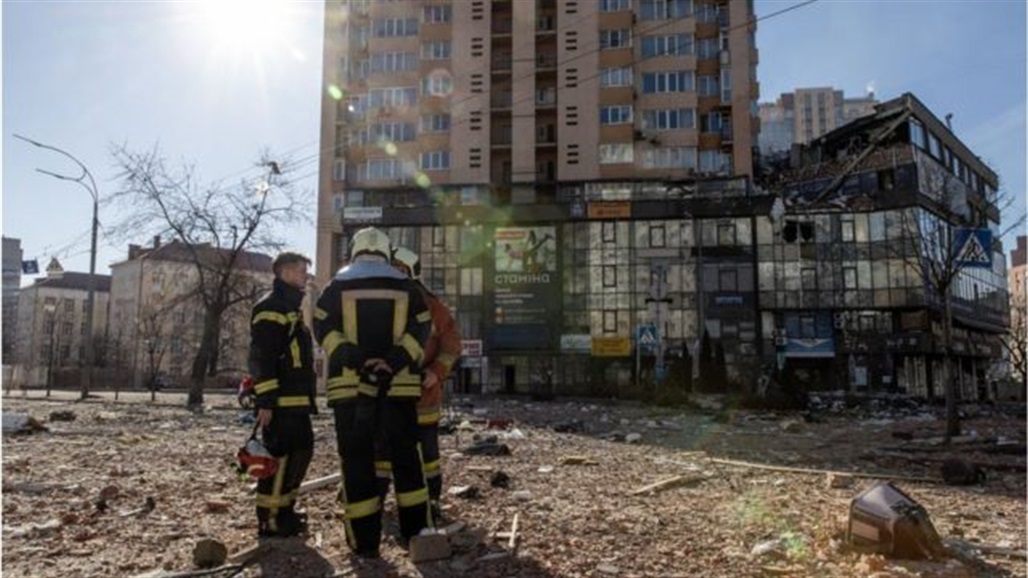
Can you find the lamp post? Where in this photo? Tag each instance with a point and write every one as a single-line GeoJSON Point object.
{"type": "Point", "coordinates": [51, 312]}
{"type": "Point", "coordinates": [91, 283]}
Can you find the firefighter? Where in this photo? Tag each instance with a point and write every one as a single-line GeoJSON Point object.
{"type": "Point", "coordinates": [441, 352]}
{"type": "Point", "coordinates": [372, 323]}
{"type": "Point", "coordinates": [282, 366]}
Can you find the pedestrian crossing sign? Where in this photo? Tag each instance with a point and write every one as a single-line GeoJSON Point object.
{"type": "Point", "coordinates": [646, 337]}
{"type": "Point", "coordinates": [974, 247]}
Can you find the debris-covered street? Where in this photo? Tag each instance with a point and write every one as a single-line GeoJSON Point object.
{"type": "Point", "coordinates": [563, 488]}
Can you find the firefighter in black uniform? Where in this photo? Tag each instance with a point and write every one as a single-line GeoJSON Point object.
{"type": "Point", "coordinates": [282, 366]}
{"type": "Point", "coordinates": [373, 323]}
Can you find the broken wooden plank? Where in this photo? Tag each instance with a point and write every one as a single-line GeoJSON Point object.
{"type": "Point", "coordinates": [311, 485]}
{"type": "Point", "coordinates": [665, 484]}
{"type": "Point", "coordinates": [482, 469]}
{"type": "Point", "coordinates": [512, 542]}
{"type": "Point", "coordinates": [880, 476]}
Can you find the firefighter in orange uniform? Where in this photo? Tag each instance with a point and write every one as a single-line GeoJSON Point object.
{"type": "Point", "coordinates": [441, 352]}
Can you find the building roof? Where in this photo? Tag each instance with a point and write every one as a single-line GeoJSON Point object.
{"type": "Point", "coordinates": [907, 103]}
{"type": "Point", "coordinates": [73, 280]}
{"type": "Point", "coordinates": [180, 252]}
{"type": "Point", "coordinates": [1019, 256]}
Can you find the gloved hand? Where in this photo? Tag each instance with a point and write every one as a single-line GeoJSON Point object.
{"type": "Point", "coordinates": [376, 372]}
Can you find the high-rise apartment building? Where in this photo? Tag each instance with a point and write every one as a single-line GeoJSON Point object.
{"type": "Point", "coordinates": [11, 283]}
{"type": "Point", "coordinates": [528, 95]}
{"type": "Point", "coordinates": [515, 143]}
{"type": "Point", "coordinates": [801, 116]}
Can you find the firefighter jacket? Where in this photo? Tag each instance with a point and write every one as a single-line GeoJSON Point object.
{"type": "Point", "coordinates": [281, 351]}
{"type": "Point", "coordinates": [371, 311]}
{"type": "Point", "coordinates": [442, 349]}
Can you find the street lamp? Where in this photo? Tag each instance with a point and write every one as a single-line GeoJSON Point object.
{"type": "Point", "coordinates": [51, 310]}
{"type": "Point", "coordinates": [91, 283]}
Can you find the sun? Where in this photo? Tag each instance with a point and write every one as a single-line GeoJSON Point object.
{"type": "Point", "coordinates": [243, 26]}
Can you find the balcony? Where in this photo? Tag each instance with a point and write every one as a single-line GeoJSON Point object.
{"type": "Point", "coordinates": [502, 27]}
{"type": "Point", "coordinates": [501, 63]}
{"type": "Point", "coordinates": [501, 100]}
{"type": "Point", "coordinates": [545, 62]}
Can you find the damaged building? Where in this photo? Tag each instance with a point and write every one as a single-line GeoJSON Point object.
{"type": "Point", "coordinates": [850, 267]}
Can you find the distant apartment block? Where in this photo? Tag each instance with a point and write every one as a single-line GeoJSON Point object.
{"type": "Point", "coordinates": [12, 257]}
{"type": "Point", "coordinates": [52, 315]}
{"type": "Point", "coordinates": [799, 117]}
{"type": "Point", "coordinates": [157, 316]}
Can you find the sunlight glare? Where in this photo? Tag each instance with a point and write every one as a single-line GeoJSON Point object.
{"type": "Point", "coordinates": [244, 25]}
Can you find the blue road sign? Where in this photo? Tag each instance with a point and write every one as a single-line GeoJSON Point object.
{"type": "Point", "coordinates": [646, 337]}
{"type": "Point", "coordinates": [973, 248]}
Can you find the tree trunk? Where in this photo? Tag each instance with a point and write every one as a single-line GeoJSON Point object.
{"type": "Point", "coordinates": [202, 361]}
{"type": "Point", "coordinates": [950, 385]}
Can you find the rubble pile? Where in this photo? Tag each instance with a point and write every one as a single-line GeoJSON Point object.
{"type": "Point", "coordinates": [533, 489]}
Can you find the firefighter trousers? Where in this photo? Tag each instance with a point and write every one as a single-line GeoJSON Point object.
{"type": "Point", "coordinates": [428, 437]}
{"type": "Point", "coordinates": [359, 423]}
{"type": "Point", "coordinates": [290, 438]}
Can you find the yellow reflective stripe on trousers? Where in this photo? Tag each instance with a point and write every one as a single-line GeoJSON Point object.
{"type": "Point", "coordinates": [430, 418]}
{"type": "Point", "coordinates": [269, 501]}
{"type": "Point", "coordinates": [276, 492]}
{"type": "Point", "coordinates": [265, 386]}
{"type": "Point", "coordinates": [408, 499]}
{"type": "Point", "coordinates": [361, 509]}
{"type": "Point", "coordinates": [429, 521]}
{"type": "Point", "coordinates": [383, 465]}
{"type": "Point", "coordinates": [270, 316]}
{"type": "Point", "coordinates": [384, 469]}
{"type": "Point", "coordinates": [432, 468]}
{"type": "Point", "coordinates": [351, 538]}
{"type": "Point", "coordinates": [331, 342]}
{"type": "Point", "coordinates": [294, 401]}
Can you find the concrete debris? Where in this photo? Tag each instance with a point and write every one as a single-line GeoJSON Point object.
{"type": "Point", "coordinates": [573, 426]}
{"type": "Point", "coordinates": [466, 492]}
{"type": "Point", "coordinates": [498, 423]}
{"type": "Point", "coordinates": [209, 553]}
{"type": "Point", "coordinates": [500, 480]}
{"type": "Point", "coordinates": [494, 556]}
{"type": "Point", "coordinates": [790, 426]}
{"type": "Point", "coordinates": [838, 481]}
{"type": "Point", "coordinates": [487, 448]}
{"type": "Point", "coordinates": [21, 423]}
{"type": "Point", "coordinates": [109, 493]}
{"type": "Point", "coordinates": [608, 569]}
{"type": "Point", "coordinates": [522, 495]}
{"type": "Point", "coordinates": [578, 461]}
{"type": "Point", "coordinates": [62, 416]}
{"type": "Point", "coordinates": [545, 469]}
{"type": "Point", "coordinates": [633, 438]}
{"type": "Point", "coordinates": [33, 530]}
{"type": "Point", "coordinates": [961, 472]}
{"type": "Point", "coordinates": [429, 547]}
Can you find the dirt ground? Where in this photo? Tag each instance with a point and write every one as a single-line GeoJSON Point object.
{"type": "Point", "coordinates": [75, 496]}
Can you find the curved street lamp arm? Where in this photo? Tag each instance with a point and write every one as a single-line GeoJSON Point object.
{"type": "Point", "coordinates": [91, 187]}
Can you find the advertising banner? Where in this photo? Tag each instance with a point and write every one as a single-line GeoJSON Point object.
{"type": "Point", "coordinates": [526, 288]}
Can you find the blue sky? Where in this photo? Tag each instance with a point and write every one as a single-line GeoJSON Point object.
{"type": "Point", "coordinates": [214, 92]}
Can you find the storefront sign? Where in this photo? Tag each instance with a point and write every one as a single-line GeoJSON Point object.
{"type": "Point", "coordinates": [798, 347]}
{"type": "Point", "coordinates": [610, 210]}
{"type": "Point", "coordinates": [525, 280]}
{"type": "Point", "coordinates": [611, 347]}
{"type": "Point", "coordinates": [361, 214]}
{"type": "Point", "coordinates": [471, 348]}
{"type": "Point", "coordinates": [581, 343]}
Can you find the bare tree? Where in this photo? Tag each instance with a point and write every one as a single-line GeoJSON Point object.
{"type": "Point", "coordinates": [219, 228]}
{"type": "Point", "coordinates": [1016, 341]}
{"type": "Point", "coordinates": [930, 249]}
{"type": "Point", "coordinates": [154, 336]}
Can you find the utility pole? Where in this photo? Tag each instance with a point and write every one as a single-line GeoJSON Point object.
{"type": "Point", "coordinates": [91, 283]}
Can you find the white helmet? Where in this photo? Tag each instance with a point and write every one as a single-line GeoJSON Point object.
{"type": "Point", "coordinates": [410, 260]}
{"type": "Point", "coordinates": [370, 240]}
